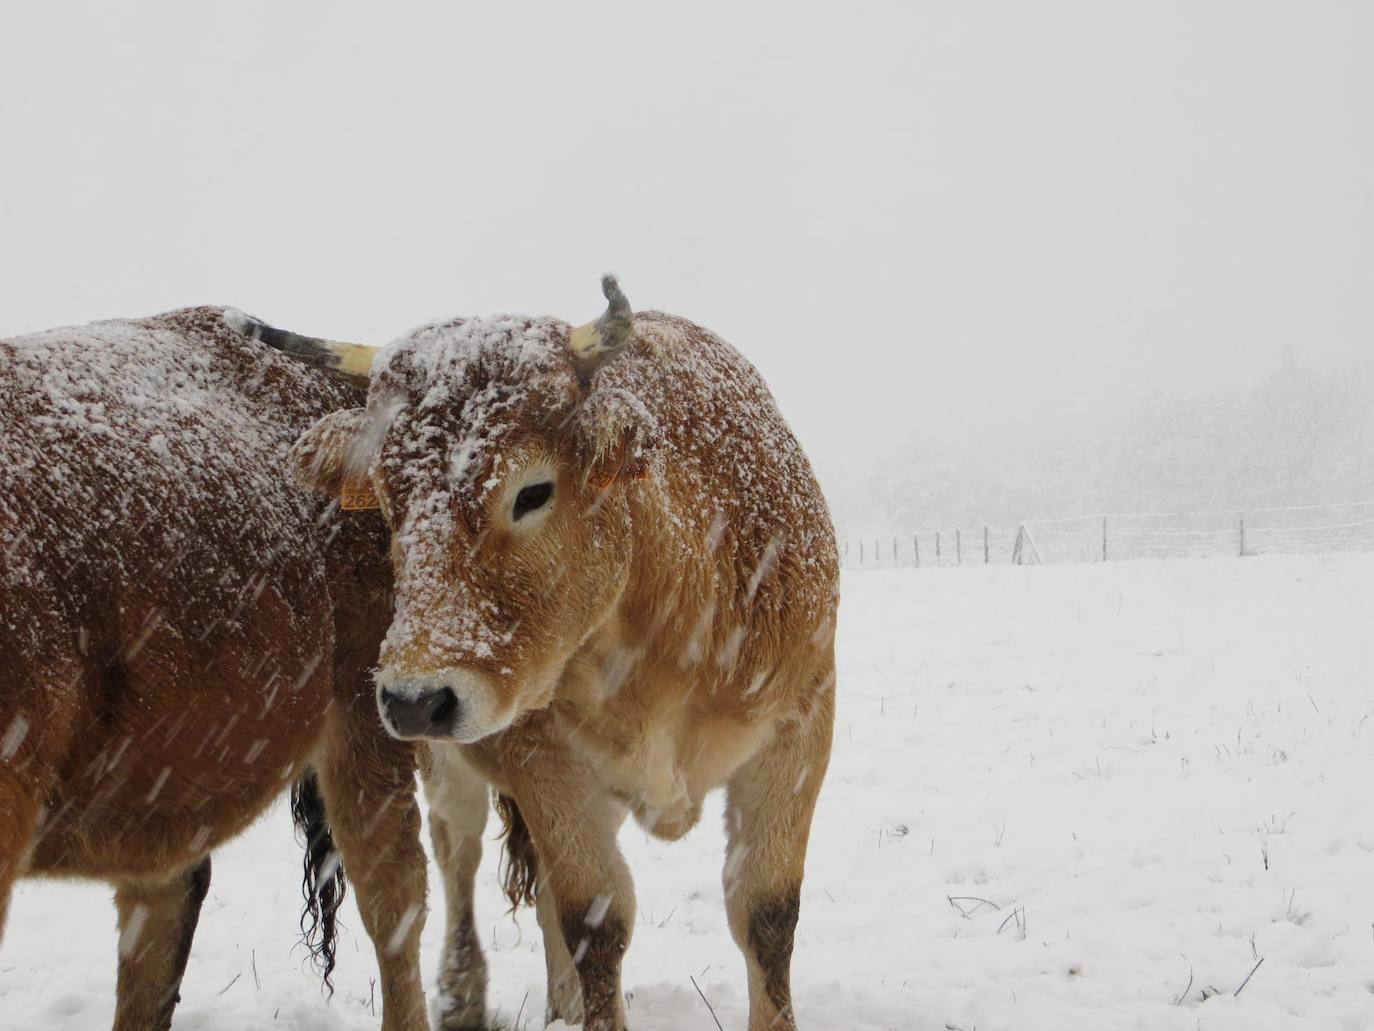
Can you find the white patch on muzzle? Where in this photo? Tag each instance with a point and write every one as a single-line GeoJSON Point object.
{"type": "Point", "coordinates": [480, 712]}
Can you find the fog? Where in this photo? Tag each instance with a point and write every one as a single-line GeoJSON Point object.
{"type": "Point", "coordinates": [919, 220]}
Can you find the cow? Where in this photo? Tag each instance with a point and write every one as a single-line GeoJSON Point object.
{"type": "Point", "coordinates": [183, 630]}
{"type": "Point", "coordinates": [616, 584]}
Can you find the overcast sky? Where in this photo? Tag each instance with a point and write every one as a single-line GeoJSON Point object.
{"type": "Point", "coordinates": [911, 216]}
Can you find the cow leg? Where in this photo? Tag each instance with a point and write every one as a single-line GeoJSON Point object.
{"type": "Point", "coordinates": [458, 806]}
{"type": "Point", "coordinates": [564, 986]}
{"type": "Point", "coordinates": [574, 830]}
{"type": "Point", "coordinates": [368, 781]}
{"type": "Point", "coordinates": [768, 820]}
{"type": "Point", "coordinates": [157, 921]}
{"type": "Point", "coordinates": [19, 810]}
{"type": "Point", "coordinates": [38, 711]}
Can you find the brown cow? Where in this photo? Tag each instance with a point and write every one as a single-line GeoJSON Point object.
{"type": "Point", "coordinates": [182, 629]}
{"type": "Point", "coordinates": [616, 586]}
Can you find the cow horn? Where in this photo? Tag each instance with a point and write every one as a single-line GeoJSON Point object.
{"type": "Point", "coordinates": [351, 362]}
{"type": "Point", "coordinates": [593, 343]}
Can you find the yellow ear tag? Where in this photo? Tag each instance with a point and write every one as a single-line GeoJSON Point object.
{"type": "Point", "coordinates": [356, 495]}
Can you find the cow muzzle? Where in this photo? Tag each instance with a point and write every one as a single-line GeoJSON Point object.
{"type": "Point", "coordinates": [430, 714]}
{"type": "Point", "coordinates": [451, 705]}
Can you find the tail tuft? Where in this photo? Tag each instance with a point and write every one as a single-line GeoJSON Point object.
{"type": "Point", "coordinates": [323, 884]}
{"type": "Point", "coordinates": [520, 864]}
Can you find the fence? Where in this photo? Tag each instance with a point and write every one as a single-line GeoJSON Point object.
{"type": "Point", "coordinates": [1348, 526]}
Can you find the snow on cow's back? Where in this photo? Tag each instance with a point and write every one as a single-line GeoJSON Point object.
{"type": "Point", "coordinates": [714, 408]}
{"type": "Point", "coordinates": [719, 423]}
{"type": "Point", "coordinates": [152, 452]}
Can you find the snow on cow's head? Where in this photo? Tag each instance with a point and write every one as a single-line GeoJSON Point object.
{"type": "Point", "coordinates": [500, 466]}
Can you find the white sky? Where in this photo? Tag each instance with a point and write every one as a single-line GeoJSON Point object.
{"type": "Point", "coordinates": [912, 216]}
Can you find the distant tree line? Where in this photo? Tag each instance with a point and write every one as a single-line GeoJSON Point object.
{"type": "Point", "coordinates": [1298, 437]}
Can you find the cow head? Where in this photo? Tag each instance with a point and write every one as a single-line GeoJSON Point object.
{"type": "Point", "coordinates": [499, 452]}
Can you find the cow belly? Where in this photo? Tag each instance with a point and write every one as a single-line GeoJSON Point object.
{"type": "Point", "coordinates": [111, 839]}
{"type": "Point", "coordinates": [153, 801]}
{"type": "Point", "coordinates": [181, 753]}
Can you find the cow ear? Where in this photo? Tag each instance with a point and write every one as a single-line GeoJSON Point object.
{"type": "Point", "coordinates": [617, 436]}
{"type": "Point", "coordinates": [333, 457]}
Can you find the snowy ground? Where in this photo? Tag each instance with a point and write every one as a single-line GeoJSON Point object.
{"type": "Point", "coordinates": [1076, 798]}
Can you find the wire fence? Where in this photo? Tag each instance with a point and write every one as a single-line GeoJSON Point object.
{"type": "Point", "coordinates": [1346, 526]}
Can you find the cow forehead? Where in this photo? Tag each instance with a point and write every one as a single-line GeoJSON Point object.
{"type": "Point", "coordinates": [457, 395]}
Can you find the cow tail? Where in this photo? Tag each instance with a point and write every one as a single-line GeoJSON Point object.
{"type": "Point", "coordinates": [323, 884]}
{"type": "Point", "coordinates": [520, 864]}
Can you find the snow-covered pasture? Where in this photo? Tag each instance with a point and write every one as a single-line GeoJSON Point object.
{"type": "Point", "coordinates": [1079, 797]}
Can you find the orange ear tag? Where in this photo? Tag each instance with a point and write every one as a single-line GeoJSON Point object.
{"type": "Point", "coordinates": [356, 495]}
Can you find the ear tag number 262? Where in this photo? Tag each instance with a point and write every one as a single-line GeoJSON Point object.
{"type": "Point", "coordinates": [356, 495]}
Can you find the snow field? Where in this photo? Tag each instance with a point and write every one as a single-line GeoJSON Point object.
{"type": "Point", "coordinates": [1078, 797]}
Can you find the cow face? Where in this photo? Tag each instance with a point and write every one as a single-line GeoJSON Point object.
{"type": "Point", "coordinates": [501, 470]}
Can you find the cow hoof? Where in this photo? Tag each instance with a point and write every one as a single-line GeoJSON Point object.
{"type": "Point", "coordinates": [457, 1017]}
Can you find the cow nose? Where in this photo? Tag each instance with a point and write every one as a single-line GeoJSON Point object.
{"type": "Point", "coordinates": [428, 713]}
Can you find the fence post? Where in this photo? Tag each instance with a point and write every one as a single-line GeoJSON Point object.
{"type": "Point", "coordinates": [937, 547]}
{"type": "Point", "coordinates": [861, 552]}
{"type": "Point", "coordinates": [1104, 538]}
{"type": "Point", "coordinates": [894, 551]}
{"type": "Point", "coordinates": [1024, 552]}
{"type": "Point", "coordinates": [1242, 535]}
{"type": "Point", "coordinates": [958, 547]}
{"type": "Point", "coordinates": [877, 553]}
{"type": "Point", "coordinates": [986, 550]}
{"type": "Point", "coordinates": [916, 545]}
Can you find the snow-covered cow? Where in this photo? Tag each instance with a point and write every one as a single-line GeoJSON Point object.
{"type": "Point", "coordinates": [182, 628]}
{"type": "Point", "coordinates": [616, 586]}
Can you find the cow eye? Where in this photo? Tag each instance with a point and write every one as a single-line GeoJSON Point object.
{"type": "Point", "coordinates": [535, 496]}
